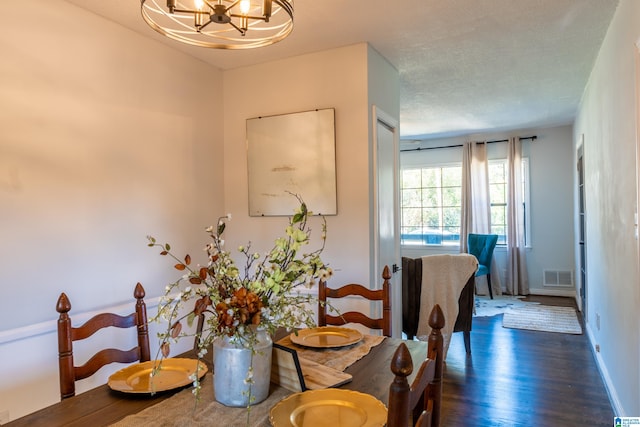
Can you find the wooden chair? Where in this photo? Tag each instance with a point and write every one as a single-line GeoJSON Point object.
{"type": "Point", "coordinates": [422, 400]}
{"type": "Point", "coordinates": [67, 334]}
{"type": "Point", "coordinates": [383, 295]}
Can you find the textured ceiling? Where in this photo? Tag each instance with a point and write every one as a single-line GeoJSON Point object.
{"type": "Point", "coordinates": [466, 66]}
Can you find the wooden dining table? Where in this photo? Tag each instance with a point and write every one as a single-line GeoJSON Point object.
{"type": "Point", "coordinates": [102, 406]}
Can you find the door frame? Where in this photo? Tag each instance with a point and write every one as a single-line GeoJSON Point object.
{"type": "Point", "coordinates": [379, 116]}
{"type": "Point", "coordinates": [582, 231]}
{"type": "Point", "coordinates": [637, 96]}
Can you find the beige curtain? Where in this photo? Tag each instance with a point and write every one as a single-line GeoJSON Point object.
{"type": "Point", "coordinates": [475, 216]}
{"type": "Point", "coordinates": [466, 214]}
{"type": "Point", "coordinates": [476, 205]}
{"type": "Point", "coordinates": [517, 282]}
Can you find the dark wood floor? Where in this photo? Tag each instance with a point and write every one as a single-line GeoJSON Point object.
{"type": "Point", "coordinates": [521, 378]}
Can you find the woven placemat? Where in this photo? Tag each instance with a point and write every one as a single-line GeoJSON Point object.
{"type": "Point", "coordinates": [339, 358]}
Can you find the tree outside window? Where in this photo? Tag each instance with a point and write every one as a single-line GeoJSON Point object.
{"type": "Point", "coordinates": [431, 203]}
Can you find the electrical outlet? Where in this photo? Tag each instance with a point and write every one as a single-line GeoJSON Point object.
{"type": "Point", "coordinates": [4, 417]}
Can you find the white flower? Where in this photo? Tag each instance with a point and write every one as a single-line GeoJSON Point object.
{"type": "Point", "coordinates": [249, 378]}
{"type": "Point", "coordinates": [229, 216]}
{"type": "Point", "coordinates": [326, 273]}
{"type": "Point", "coordinates": [209, 229]}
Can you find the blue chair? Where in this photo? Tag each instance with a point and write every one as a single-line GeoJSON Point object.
{"type": "Point", "coordinates": [481, 246]}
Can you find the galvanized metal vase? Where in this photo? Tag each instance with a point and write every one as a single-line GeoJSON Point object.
{"type": "Point", "coordinates": [231, 363]}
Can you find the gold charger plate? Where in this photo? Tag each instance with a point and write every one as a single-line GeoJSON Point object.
{"type": "Point", "coordinates": [331, 407]}
{"type": "Point", "coordinates": [174, 373]}
{"type": "Point", "coordinates": [326, 337]}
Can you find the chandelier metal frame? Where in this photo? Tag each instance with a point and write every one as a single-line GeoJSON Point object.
{"type": "Point", "coordinates": [239, 24]}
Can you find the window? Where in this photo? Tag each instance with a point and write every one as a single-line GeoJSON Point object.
{"type": "Point", "coordinates": [498, 199]}
{"type": "Point", "coordinates": [431, 203]}
{"type": "Point", "coordinates": [498, 196]}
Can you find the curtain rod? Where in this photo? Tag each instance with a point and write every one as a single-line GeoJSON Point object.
{"type": "Point", "coordinates": [532, 138]}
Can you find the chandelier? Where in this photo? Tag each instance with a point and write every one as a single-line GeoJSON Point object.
{"type": "Point", "coordinates": [221, 24]}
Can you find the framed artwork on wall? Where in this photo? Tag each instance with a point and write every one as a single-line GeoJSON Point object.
{"type": "Point", "coordinates": [292, 153]}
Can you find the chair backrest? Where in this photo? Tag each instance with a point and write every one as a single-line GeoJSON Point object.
{"type": "Point", "coordinates": [384, 295]}
{"type": "Point", "coordinates": [481, 246]}
{"type": "Point", "coordinates": [423, 399]}
{"type": "Point", "coordinates": [67, 334]}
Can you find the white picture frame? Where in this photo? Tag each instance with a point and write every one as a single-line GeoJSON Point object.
{"type": "Point", "coordinates": [292, 154]}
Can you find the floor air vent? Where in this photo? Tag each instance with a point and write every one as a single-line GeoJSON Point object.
{"type": "Point", "coordinates": [558, 278]}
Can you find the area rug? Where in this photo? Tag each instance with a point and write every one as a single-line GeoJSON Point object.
{"type": "Point", "coordinates": [544, 318]}
{"type": "Point", "coordinates": [486, 307]}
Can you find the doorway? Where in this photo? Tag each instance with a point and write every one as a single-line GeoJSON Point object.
{"type": "Point", "coordinates": [582, 243]}
{"type": "Point", "coordinates": [386, 208]}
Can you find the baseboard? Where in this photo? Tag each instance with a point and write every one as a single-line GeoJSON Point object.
{"type": "Point", "coordinates": [606, 379]}
{"type": "Point", "coordinates": [553, 292]}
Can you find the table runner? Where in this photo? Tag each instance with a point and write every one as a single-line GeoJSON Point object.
{"type": "Point", "coordinates": [178, 410]}
{"type": "Point", "coordinates": [337, 358]}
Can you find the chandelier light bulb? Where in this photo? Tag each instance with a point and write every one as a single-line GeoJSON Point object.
{"type": "Point", "coordinates": [245, 6]}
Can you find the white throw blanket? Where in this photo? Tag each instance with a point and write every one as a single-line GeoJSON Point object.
{"type": "Point", "coordinates": [443, 278]}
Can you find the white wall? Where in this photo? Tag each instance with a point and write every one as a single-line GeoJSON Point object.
{"type": "Point", "coordinates": [331, 79]}
{"type": "Point", "coordinates": [384, 160]}
{"type": "Point", "coordinates": [551, 199]}
{"type": "Point", "coordinates": [342, 79]}
{"type": "Point", "coordinates": [106, 138]}
{"type": "Point", "coordinates": [608, 122]}
{"type": "Point", "coordinates": [552, 168]}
